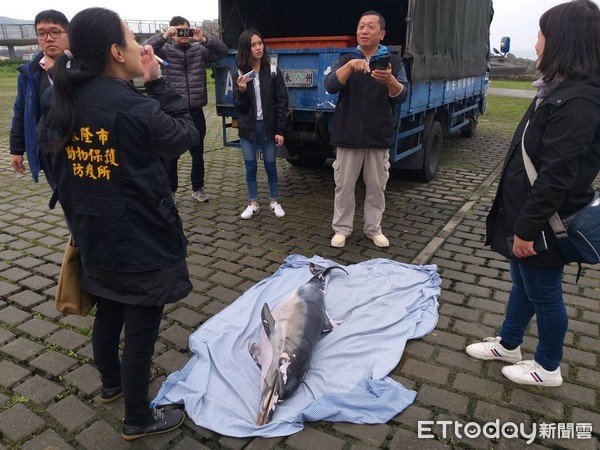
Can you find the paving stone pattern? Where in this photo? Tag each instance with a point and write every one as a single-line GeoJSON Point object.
{"type": "Point", "coordinates": [48, 383]}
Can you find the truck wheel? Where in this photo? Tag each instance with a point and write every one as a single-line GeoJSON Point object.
{"type": "Point", "coordinates": [308, 154]}
{"type": "Point", "coordinates": [294, 160]}
{"type": "Point", "coordinates": [432, 152]}
{"type": "Point", "coordinates": [468, 131]}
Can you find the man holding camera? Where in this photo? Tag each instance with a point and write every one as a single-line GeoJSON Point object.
{"type": "Point", "coordinates": [370, 82]}
{"type": "Point", "coordinates": [187, 57]}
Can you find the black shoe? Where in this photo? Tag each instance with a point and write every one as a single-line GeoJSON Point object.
{"type": "Point", "coordinates": [108, 395]}
{"type": "Point", "coordinates": [161, 421]}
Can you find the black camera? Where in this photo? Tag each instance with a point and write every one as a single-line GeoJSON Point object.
{"type": "Point", "coordinates": [185, 32]}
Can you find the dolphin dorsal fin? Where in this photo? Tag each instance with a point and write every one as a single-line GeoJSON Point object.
{"type": "Point", "coordinates": [267, 319]}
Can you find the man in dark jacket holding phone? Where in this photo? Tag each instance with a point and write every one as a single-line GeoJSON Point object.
{"type": "Point", "coordinates": [363, 127]}
{"type": "Point", "coordinates": [187, 58]}
{"type": "Point", "coordinates": [51, 29]}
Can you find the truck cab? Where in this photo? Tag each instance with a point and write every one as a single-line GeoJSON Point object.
{"type": "Point", "coordinates": [444, 46]}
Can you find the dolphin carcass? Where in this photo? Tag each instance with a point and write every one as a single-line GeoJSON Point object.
{"type": "Point", "coordinates": [288, 338]}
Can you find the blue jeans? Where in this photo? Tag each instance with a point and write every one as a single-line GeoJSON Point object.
{"type": "Point", "coordinates": [269, 155]}
{"type": "Point", "coordinates": [537, 290]}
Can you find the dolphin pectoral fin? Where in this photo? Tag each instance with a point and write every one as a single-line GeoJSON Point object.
{"type": "Point", "coordinates": [331, 323]}
{"type": "Point", "coordinates": [267, 319]}
{"type": "Point", "coordinates": [254, 350]}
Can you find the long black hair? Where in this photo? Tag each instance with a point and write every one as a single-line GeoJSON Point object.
{"type": "Point", "coordinates": [92, 32]}
{"type": "Point", "coordinates": [243, 60]}
{"type": "Point", "coordinates": [572, 40]}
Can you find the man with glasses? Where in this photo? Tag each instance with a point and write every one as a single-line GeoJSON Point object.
{"type": "Point", "coordinates": [187, 57]}
{"type": "Point", "coordinates": [51, 30]}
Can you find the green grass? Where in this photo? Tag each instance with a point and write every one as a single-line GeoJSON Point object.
{"type": "Point", "coordinates": [503, 114]}
{"type": "Point", "coordinates": [507, 84]}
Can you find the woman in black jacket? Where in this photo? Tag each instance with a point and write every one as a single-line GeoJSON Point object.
{"type": "Point", "coordinates": [561, 134]}
{"type": "Point", "coordinates": [110, 143]}
{"type": "Point", "coordinates": [261, 100]}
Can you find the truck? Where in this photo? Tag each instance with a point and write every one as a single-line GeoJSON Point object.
{"type": "Point", "coordinates": [444, 45]}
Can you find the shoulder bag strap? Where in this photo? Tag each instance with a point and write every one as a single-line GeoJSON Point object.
{"type": "Point", "coordinates": [555, 221]}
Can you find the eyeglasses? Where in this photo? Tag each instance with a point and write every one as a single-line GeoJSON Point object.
{"type": "Point", "coordinates": [255, 44]}
{"type": "Point", "coordinates": [43, 35]}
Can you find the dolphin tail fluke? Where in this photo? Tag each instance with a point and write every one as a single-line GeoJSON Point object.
{"type": "Point", "coordinates": [267, 319]}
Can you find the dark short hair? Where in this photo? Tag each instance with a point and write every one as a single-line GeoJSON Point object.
{"type": "Point", "coordinates": [178, 20]}
{"type": "Point", "coordinates": [375, 13]}
{"type": "Point", "coordinates": [572, 40]}
{"type": "Point", "coordinates": [52, 16]}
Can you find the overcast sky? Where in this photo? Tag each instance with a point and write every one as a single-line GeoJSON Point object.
{"type": "Point", "coordinates": [515, 18]}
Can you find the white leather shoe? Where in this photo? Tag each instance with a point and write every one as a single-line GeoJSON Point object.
{"type": "Point", "coordinates": [338, 240]}
{"type": "Point", "coordinates": [380, 240]}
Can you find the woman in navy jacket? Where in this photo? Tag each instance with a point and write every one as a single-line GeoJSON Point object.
{"type": "Point", "coordinates": [260, 98]}
{"type": "Point", "coordinates": [562, 140]}
{"type": "Point", "coordinates": [110, 143]}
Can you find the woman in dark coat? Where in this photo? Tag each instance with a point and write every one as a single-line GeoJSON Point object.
{"type": "Point", "coordinates": [561, 135]}
{"type": "Point", "coordinates": [260, 98]}
{"type": "Point", "coordinates": [110, 143]}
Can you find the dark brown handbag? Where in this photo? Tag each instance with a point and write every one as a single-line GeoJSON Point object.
{"type": "Point", "coordinates": [70, 297]}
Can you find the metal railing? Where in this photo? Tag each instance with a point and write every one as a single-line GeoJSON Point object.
{"type": "Point", "coordinates": [24, 34]}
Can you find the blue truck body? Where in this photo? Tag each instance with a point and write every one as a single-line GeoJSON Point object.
{"type": "Point", "coordinates": [444, 96]}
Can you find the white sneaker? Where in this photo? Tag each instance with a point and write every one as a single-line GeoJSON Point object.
{"type": "Point", "coordinates": [380, 240]}
{"type": "Point", "coordinates": [338, 240]}
{"type": "Point", "coordinates": [277, 210]}
{"type": "Point", "coordinates": [491, 350]}
{"type": "Point", "coordinates": [531, 373]}
{"type": "Point", "coordinates": [250, 211]}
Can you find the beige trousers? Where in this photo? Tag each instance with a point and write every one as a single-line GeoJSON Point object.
{"type": "Point", "coordinates": [375, 164]}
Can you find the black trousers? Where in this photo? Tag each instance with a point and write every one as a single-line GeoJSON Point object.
{"type": "Point", "coordinates": [197, 152]}
{"type": "Point", "coordinates": [132, 370]}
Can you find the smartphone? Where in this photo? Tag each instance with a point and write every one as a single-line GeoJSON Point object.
{"type": "Point", "coordinates": [539, 243]}
{"type": "Point", "coordinates": [250, 75]}
{"type": "Point", "coordinates": [383, 61]}
{"type": "Point", "coordinates": [185, 32]}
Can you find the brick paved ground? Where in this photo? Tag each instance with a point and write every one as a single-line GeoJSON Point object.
{"type": "Point", "coordinates": [48, 382]}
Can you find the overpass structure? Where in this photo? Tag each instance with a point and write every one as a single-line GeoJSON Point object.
{"type": "Point", "coordinates": [21, 35]}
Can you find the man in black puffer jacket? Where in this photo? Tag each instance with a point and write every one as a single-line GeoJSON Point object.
{"type": "Point", "coordinates": [187, 58]}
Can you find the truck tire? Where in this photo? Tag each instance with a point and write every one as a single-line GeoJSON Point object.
{"type": "Point", "coordinates": [432, 152]}
{"type": "Point", "coordinates": [310, 154]}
